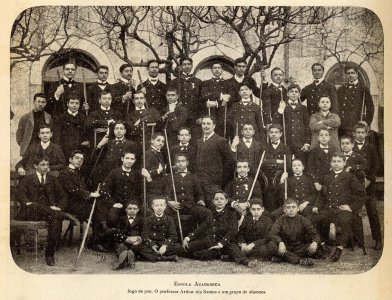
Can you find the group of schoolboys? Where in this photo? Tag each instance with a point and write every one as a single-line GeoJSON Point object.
{"type": "Point", "coordinates": [281, 217]}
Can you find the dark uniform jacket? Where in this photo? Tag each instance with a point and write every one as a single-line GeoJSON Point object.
{"type": "Point", "coordinates": [271, 98]}
{"type": "Point", "coordinates": [211, 90]}
{"type": "Point", "coordinates": [189, 95]}
{"type": "Point", "coordinates": [212, 156]}
{"type": "Point", "coordinates": [341, 189]}
{"type": "Point", "coordinates": [94, 93]}
{"type": "Point", "coordinates": [155, 95]}
{"type": "Point", "coordinates": [188, 189]}
{"type": "Point", "coordinates": [220, 227]}
{"type": "Point", "coordinates": [57, 107]}
{"type": "Point", "coordinates": [312, 93]}
{"type": "Point", "coordinates": [153, 159]}
{"type": "Point", "coordinates": [53, 151]}
{"type": "Point", "coordinates": [49, 194]}
{"type": "Point", "coordinates": [251, 154]}
{"type": "Point", "coordinates": [75, 187]}
{"type": "Point", "coordinates": [190, 150]}
{"type": "Point", "coordinates": [297, 125]}
{"type": "Point", "coordinates": [69, 131]}
{"type": "Point", "coordinates": [235, 88]}
{"type": "Point", "coordinates": [252, 231]}
{"type": "Point", "coordinates": [119, 89]}
{"type": "Point", "coordinates": [239, 114]}
{"type": "Point", "coordinates": [369, 153]}
{"type": "Point", "coordinates": [351, 98]}
{"type": "Point", "coordinates": [270, 165]}
{"type": "Point", "coordinates": [239, 189]}
{"type": "Point", "coordinates": [121, 187]}
{"type": "Point", "coordinates": [319, 163]}
{"type": "Point", "coordinates": [148, 115]}
{"type": "Point", "coordinates": [126, 229]}
{"type": "Point", "coordinates": [293, 231]}
{"type": "Point", "coordinates": [357, 164]}
{"type": "Point", "coordinates": [300, 188]}
{"type": "Point", "coordinates": [159, 231]}
{"type": "Point", "coordinates": [175, 121]}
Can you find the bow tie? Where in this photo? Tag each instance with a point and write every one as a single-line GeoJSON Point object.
{"type": "Point", "coordinates": [184, 148]}
{"type": "Point", "coordinates": [183, 172]}
{"type": "Point", "coordinates": [279, 87]}
{"type": "Point", "coordinates": [247, 141]}
{"type": "Point", "coordinates": [217, 79]}
{"type": "Point", "coordinates": [293, 103]}
{"type": "Point", "coordinates": [102, 83]}
{"type": "Point", "coordinates": [126, 173]}
{"type": "Point", "coordinates": [153, 80]}
{"type": "Point", "coordinates": [274, 143]}
{"type": "Point", "coordinates": [316, 81]}
{"type": "Point", "coordinates": [360, 143]}
{"type": "Point", "coordinates": [71, 81]}
{"type": "Point", "coordinates": [351, 84]}
{"type": "Point", "coordinates": [297, 175]}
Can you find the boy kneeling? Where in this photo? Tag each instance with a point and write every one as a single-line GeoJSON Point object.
{"type": "Point", "coordinates": [159, 235]}
{"type": "Point", "coordinates": [291, 233]}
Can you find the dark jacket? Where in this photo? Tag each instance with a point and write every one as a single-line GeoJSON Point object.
{"type": "Point", "coordinates": [159, 230]}
{"type": "Point", "coordinates": [239, 188]}
{"type": "Point", "coordinates": [254, 231]}
{"type": "Point", "coordinates": [369, 153]}
{"type": "Point", "coordinates": [94, 93]}
{"type": "Point", "coordinates": [312, 93]}
{"type": "Point", "coordinates": [119, 89]}
{"type": "Point", "coordinates": [271, 98]}
{"type": "Point", "coordinates": [155, 95]}
{"type": "Point", "coordinates": [319, 163]}
{"type": "Point", "coordinates": [126, 229]}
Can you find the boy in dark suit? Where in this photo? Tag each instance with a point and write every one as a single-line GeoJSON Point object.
{"type": "Point", "coordinates": [239, 188]}
{"type": "Point", "coordinates": [291, 234]}
{"type": "Point", "coordinates": [123, 90]}
{"type": "Point", "coordinates": [95, 89]}
{"type": "Point", "coordinates": [140, 114]}
{"type": "Point", "coordinates": [186, 147]}
{"type": "Point", "coordinates": [369, 153]}
{"type": "Point", "coordinates": [217, 234]}
{"type": "Point", "coordinates": [319, 160]}
{"type": "Point", "coordinates": [190, 197]}
{"type": "Point", "coordinates": [252, 239]}
{"type": "Point", "coordinates": [153, 88]}
{"type": "Point", "coordinates": [128, 239]}
{"type": "Point", "coordinates": [159, 235]}
{"type": "Point", "coordinates": [45, 147]}
{"type": "Point", "coordinates": [273, 95]}
{"type": "Point", "coordinates": [355, 102]}
{"type": "Point", "coordinates": [42, 198]}
{"type": "Point", "coordinates": [69, 128]}
{"type": "Point", "coordinates": [273, 164]}
{"type": "Point", "coordinates": [297, 123]}
{"type": "Point", "coordinates": [247, 148]}
{"type": "Point", "coordinates": [300, 187]}
{"type": "Point", "coordinates": [174, 115]}
{"type": "Point", "coordinates": [245, 111]}
{"type": "Point", "coordinates": [155, 166]}
{"type": "Point", "coordinates": [342, 195]}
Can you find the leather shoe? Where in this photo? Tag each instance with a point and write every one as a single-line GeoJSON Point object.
{"type": "Point", "coordinates": [101, 248]}
{"type": "Point", "coordinates": [169, 258]}
{"type": "Point", "coordinates": [377, 245]}
{"type": "Point", "coordinates": [336, 255]}
{"type": "Point", "coordinates": [122, 261]}
{"type": "Point", "coordinates": [50, 260]}
{"type": "Point", "coordinates": [252, 263]}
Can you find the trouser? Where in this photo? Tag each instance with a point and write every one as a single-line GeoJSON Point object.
{"type": "Point", "coordinates": [121, 247]}
{"type": "Point", "coordinates": [371, 209]}
{"type": "Point", "coordinates": [37, 212]}
{"type": "Point", "coordinates": [262, 251]}
{"type": "Point", "coordinates": [149, 254]}
{"type": "Point", "coordinates": [341, 218]}
{"type": "Point", "coordinates": [293, 253]}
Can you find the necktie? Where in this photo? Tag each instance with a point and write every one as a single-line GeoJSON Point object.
{"type": "Point", "coordinates": [316, 81]}
{"type": "Point", "coordinates": [42, 179]}
{"type": "Point", "coordinates": [154, 80]}
{"type": "Point", "coordinates": [103, 84]}
{"type": "Point", "coordinates": [275, 143]}
{"type": "Point", "coordinates": [360, 143]}
{"type": "Point", "coordinates": [131, 220]}
{"type": "Point", "coordinates": [247, 141]}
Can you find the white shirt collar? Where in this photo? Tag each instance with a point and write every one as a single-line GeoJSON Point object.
{"type": "Point", "coordinates": [119, 139]}
{"type": "Point", "coordinates": [101, 82]}
{"type": "Point", "coordinates": [45, 145]}
{"type": "Point", "coordinates": [125, 170]}
{"type": "Point", "coordinates": [354, 82]}
{"type": "Point", "coordinates": [239, 79]}
{"type": "Point", "coordinates": [72, 113]}
{"type": "Point", "coordinates": [275, 84]}
{"type": "Point", "coordinates": [71, 166]}
{"type": "Point", "coordinates": [159, 216]}
{"type": "Point", "coordinates": [349, 153]}
{"type": "Point", "coordinates": [338, 172]}
{"type": "Point", "coordinates": [208, 137]}
{"type": "Point", "coordinates": [319, 80]}
{"type": "Point", "coordinates": [276, 145]}
{"type": "Point", "coordinates": [184, 145]}
{"type": "Point", "coordinates": [158, 150]}
{"type": "Point", "coordinates": [324, 113]}
{"type": "Point", "coordinates": [39, 175]}
{"type": "Point", "coordinates": [137, 108]}
{"type": "Point", "coordinates": [68, 79]}
{"type": "Point", "coordinates": [125, 80]}
{"type": "Point", "coordinates": [104, 108]}
{"type": "Point", "coordinates": [245, 139]}
{"type": "Point", "coordinates": [299, 175]}
{"type": "Point", "coordinates": [324, 147]}
{"type": "Point", "coordinates": [246, 101]}
{"type": "Point", "coordinates": [153, 80]}
{"type": "Point", "coordinates": [219, 210]}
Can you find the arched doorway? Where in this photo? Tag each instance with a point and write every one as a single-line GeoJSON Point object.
{"type": "Point", "coordinates": [336, 74]}
{"type": "Point", "coordinates": [203, 69]}
{"type": "Point", "coordinates": [53, 68]}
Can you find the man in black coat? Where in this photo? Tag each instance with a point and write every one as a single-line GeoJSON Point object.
{"type": "Point", "coordinates": [214, 160]}
{"type": "Point", "coordinates": [42, 198]}
{"type": "Point", "coordinates": [355, 102]}
{"type": "Point", "coordinates": [319, 87]}
{"type": "Point", "coordinates": [95, 89]}
{"type": "Point", "coordinates": [58, 92]}
{"type": "Point", "coordinates": [123, 90]}
{"type": "Point", "coordinates": [153, 88]}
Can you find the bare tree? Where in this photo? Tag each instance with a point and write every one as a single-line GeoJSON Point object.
{"type": "Point", "coordinates": [39, 31]}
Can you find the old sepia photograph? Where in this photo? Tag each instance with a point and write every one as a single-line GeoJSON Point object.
{"type": "Point", "coordinates": [196, 140]}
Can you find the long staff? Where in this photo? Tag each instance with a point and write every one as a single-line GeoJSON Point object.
{"type": "Point", "coordinates": [225, 122]}
{"type": "Point", "coordinates": [86, 231]}
{"type": "Point", "coordinates": [95, 164]}
{"type": "Point", "coordinates": [85, 90]}
{"type": "Point", "coordinates": [363, 110]}
{"type": "Point", "coordinates": [284, 157]}
{"type": "Point", "coordinates": [144, 178]}
{"type": "Point", "coordinates": [261, 101]}
{"type": "Point", "coordinates": [253, 186]}
{"type": "Point", "coordinates": [61, 96]}
{"type": "Point", "coordinates": [236, 152]}
{"type": "Point", "coordinates": [173, 184]}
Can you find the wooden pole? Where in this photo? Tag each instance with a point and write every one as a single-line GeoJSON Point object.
{"type": "Point", "coordinates": [85, 90]}
{"type": "Point", "coordinates": [144, 178]}
{"type": "Point", "coordinates": [173, 184]}
{"type": "Point", "coordinates": [61, 97]}
{"type": "Point", "coordinates": [363, 113]}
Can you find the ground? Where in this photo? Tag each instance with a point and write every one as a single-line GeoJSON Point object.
{"type": "Point", "coordinates": [92, 262]}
